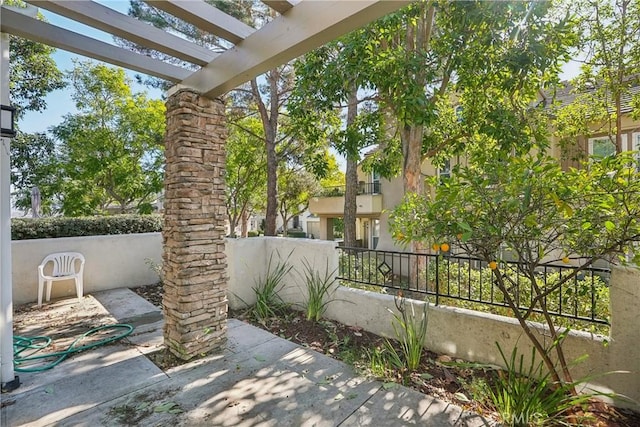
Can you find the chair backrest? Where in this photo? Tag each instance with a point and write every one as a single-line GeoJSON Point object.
{"type": "Point", "coordinates": [64, 263]}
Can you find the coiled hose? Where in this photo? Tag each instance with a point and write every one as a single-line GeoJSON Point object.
{"type": "Point", "coordinates": [22, 344]}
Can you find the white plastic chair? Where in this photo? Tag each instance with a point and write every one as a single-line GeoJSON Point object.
{"type": "Point", "coordinates": [65, 267]}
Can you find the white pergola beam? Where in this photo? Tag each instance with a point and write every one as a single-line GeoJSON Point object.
{"type": "Point", "coordinates": [205, 17]}
{"type": "Point", "coordinates": [126, 27]}
{"type": "Point", "coordinates": [23, 26]}
{"type": "Point", "coordinates": [280, 6]}
{"type": "Point", "coordinates": [304, 27]}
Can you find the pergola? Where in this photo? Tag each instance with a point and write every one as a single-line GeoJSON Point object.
{"type": "Point", "coordinates": [194, 264]}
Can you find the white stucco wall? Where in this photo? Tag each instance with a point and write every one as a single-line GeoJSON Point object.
{"type": "Point", "coordinates": [248, 260]}
{"type": "Point", "coordinates": [472, 335]}
{"type": "Point", "coordinates": [111, 262]}
{"type": "Point", "coordinates": [119, 261]}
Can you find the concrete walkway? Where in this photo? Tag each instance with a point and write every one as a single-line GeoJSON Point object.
{"type": "Point", "coordinates": [259, 380]}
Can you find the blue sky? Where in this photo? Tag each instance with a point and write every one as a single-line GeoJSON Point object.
{"type": "Point", "coordinates": [59, 102]}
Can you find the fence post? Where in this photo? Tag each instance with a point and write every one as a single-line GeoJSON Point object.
{"type": "Point", "coordinates": [437, 279]}
{"type": "Point", "coordinates": [625, 330]}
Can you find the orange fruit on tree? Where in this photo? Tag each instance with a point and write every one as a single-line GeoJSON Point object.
{"type": "Point", "coordinates": [566, 260]}
{"type": "Point", "coordinates": [435, 247]}
{"type": "Point", "coordinates": [444, 247]}
{"type": "Point", "coordinates": [493, 265]}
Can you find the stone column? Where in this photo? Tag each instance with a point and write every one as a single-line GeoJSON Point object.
{"type": "Point", "coordinates": [194, 263]}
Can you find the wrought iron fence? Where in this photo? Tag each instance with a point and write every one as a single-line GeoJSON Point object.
{"type": "Point", "coordinates": [470, 283]}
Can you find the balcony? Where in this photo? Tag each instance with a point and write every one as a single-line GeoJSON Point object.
{"type": "Point", "coordinates": [331, 201]}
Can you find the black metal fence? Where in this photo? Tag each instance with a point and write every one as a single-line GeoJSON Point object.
{"type": "Point", "coordinates": [467, 282]}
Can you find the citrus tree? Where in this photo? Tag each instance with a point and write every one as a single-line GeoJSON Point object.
{"type": "Point", "coordinates": [544, 215]}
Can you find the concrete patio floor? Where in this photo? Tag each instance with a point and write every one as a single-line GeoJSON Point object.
{"type": "Point", "coordinates": [259, 380]}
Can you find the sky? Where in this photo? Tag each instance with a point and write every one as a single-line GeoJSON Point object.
{"type": "Point", "coordinates": [59, 102]}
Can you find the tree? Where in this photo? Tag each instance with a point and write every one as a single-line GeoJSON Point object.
{"type": "Point", "coordinates": [431, 53]}
{"type": "Point", "coordinates": [327, 83]}
{"type": "Point", "coordinates": [245, 170]}
{"type": "Point", "coordinates": [296, 188]}
{"type": "Point", "coordinates": [111, 151]}
{"type": "Point", "coordinates": [544, 215]}
{"type": "Point", "coordinates": [32, 75]}
{"type": "Point", "coordinates": [32, 71]}
{"type": "Point", "coordinates": [264, 96]}
{"type": "Point", "coordinates": [611, 68]}
{"type": "Point", "coordinates": [34, 164]}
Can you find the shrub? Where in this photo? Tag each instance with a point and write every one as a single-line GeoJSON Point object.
{"type": "Point", "coordinates": [525, 394]}
{"type": "Point", "coordinates": [296, 233]}
{"type": "Point", "coordinates": [45, 228]}
{"type": "Point", "coordinates": [253, 233]}
{"type": "Point", "coordinates": [411, 331]}
{"type": "Point", "coordinates": [268, 301]}
{"type": "Point", "coordinates": [319, 287]}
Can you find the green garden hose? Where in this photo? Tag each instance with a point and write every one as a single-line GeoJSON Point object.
{"type": "Point", "coordinates": [22, 344]}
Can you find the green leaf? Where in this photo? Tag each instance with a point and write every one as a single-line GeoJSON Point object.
{"type": "Point", "coordinates": [461, 397]}
{"type": "Point", "coordinates": [426, 376]}
{"type": "Point", "coordinates": [389, 385]}
{"type": "Point", "coordinates": [259, 358]}
{"type": "Point", "coordinates": [168, 407]}
{"type": "Point", "coordinates": [610, 226]}
{"type": "Point", "coordinates": [464, 226]}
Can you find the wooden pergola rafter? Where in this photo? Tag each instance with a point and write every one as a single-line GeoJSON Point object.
{"type": "Point", "coordinates": [299, 26]}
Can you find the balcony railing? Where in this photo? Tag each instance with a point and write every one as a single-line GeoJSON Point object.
{"type": "Point", "coordinates": [363, 188]}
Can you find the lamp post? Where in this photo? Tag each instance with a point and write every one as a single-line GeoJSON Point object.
{"type": "Point", "coordinates": [8, 379]}
{"type": "Point", "coordinates": [7, 121]}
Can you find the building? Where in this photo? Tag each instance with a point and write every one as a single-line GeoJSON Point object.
{"type": "Point", "coordinates": [377, 196]}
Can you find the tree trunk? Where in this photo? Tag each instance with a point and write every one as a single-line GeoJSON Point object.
{"type": "Point", "coordinates": [411, 138]}
{"type": "Point", "coordinates": [272, 189]}
{"type": "Point", "coordinates": [232, 226]}
{"type": "Point", "coordinates": [619, 147]}
{"type": "Point", "coordinates": [270, 125]}
{"type": "Point", "coordinates": [351, 177]}
{"type": "Point", "coordinates": [243, 227]}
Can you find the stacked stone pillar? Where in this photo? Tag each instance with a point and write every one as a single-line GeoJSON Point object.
{"type": "Point", "coordinates": [194, 264]}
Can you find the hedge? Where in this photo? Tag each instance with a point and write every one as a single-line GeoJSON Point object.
{"type": "Point", "coordinates": [45, 228]}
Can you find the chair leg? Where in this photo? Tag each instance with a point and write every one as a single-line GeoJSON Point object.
{"type": "Point", "coordinates": [40, 290]}
{"type": "Point", "coordinates": [49, 283]}
{"type": "Point", "coordinates": [79, 288]}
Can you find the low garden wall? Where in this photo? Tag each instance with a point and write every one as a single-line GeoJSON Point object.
{"type": "Point", "coordinates": [112, 261]}
{"type": "Point", "coordinates": [120, 261]}
{"type": "Point", "coordinates": [458, 332]}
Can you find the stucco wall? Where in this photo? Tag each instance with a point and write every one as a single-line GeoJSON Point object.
{"type": "Point", "coordinates": [249, 258]}
{"type": "Point", "coordinates": [111, 262]}
{"type": "Point", "coordinates": [472, 335]}
{"type": "Point", "coordinates": [116, 261]}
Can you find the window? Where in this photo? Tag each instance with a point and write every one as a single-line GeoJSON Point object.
{"type": "Point", "coordinates": [375, 233]}
{"type": "Point", "coordinates": [458, 111]}
{"type": "Point", "coordinates": [375, 183]}
{"type": "Point", "coordinates": [445, 170]}
{"type": "Point", "coordinates": [602, 147]}
{"type": "Point", "coordinates": [635, 145]}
